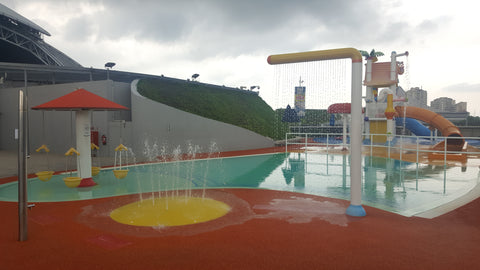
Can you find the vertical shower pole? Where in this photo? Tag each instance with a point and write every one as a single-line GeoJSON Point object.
{"type": "Point", "coordinates": [22, 168]}
{"type": "Point", "coordinates": [355, 208]}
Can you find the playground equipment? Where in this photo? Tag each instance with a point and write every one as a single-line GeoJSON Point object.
{"type": "Point", "coordinates": [82, 102]}
{"type": "Point", "coordinates": [44, 175]}
{"type": "Point", "coordinates": [447, 128]}
{"type": "Point", "coordinates": [118, 170]}
{"type": "Point", "coordinates": [71, 181]}
{"type": "Point", "coordinates": [380, 112]}
{"type": "Point", "coordinates": [95, 169]}
{"type": "Point", "coordinates": [413, 125]}
{"type": "Point", "coordinates": [389, 114]}
{"type": "Point", "coordinates": [355, 208]}
{"type": "Point", "coordinates": [453, 142]}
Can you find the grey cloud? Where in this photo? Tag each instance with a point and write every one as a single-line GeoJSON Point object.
{"type": "Point", "coordinates": [158, 21]}
{"type": "Point", "coordinates": [220, 27]}
{"type": "Point", "coordinates": [78, 29]}
{"type": "Point", "coordinates": [462, 87]}
{"type": "Point", "coordinates": [161, 19]}
{"type": "Point", "coordinates": [432, 25]}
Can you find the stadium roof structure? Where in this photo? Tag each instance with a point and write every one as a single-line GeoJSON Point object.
{"type": "Point", "coordinates": [21, 42]}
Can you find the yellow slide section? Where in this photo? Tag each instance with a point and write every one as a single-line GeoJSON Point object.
{"type": "Point", "coordinates": [447, 128]}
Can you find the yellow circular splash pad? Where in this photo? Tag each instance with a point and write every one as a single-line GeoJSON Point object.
{"type": "Point", "coordinates": [170, 211]}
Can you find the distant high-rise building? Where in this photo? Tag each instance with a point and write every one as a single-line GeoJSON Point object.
{"type": "Point", "coordinates": [443, 104]}
{"type": "Point", "coordinates": [417, 97]}
{"type": "Point", "coordinates": [461, 107]}
{"type": "Point", "coordinates": [446, 107]}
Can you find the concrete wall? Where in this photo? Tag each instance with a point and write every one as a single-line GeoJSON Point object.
{"type": "Point", "coordinates": [56, 129]}
{"type": "Point", "coordinates": [155, 122]}
{"type": "Point", "coordinates": [147, 122]}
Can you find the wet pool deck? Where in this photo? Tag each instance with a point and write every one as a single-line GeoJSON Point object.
{"type": "Point", "coordinates": [267, 229]}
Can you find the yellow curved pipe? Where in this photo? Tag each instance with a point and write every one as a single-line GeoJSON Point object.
{"type": "Point", "coordinates": [288, 58]}
{"type": "Point", "coordinates": [121, 147]}
{"type": "Point", "coordinates": [94, 146]}
{"type": "Point", "coordinates": [72, 151]}
{"type": "Point", "coordinates": [43, 147]}
{"type": "Point", "coordinates": [390, 111]}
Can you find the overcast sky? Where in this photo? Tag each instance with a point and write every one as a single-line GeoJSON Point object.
{"type": "Point", "coordinates": [227, 42]}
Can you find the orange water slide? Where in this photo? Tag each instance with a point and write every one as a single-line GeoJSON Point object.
{"type": "Point", "coordinates": [447, 128]}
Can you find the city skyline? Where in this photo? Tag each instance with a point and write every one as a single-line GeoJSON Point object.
{"type": "Point", "coordinates": [419, 97]}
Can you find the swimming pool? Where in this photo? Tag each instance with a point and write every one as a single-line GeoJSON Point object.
{"type": "Point", "coordinates": [389, 184]}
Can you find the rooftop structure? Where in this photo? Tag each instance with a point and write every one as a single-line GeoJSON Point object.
{"type": "Point", "coordinates": [19, 35]}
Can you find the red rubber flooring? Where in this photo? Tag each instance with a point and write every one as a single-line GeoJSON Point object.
{"type": "Point", "coordinates": [264, 230]}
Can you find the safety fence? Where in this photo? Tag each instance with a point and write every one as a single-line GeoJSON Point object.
{"type": "Point", "coordinates": [414, 148]}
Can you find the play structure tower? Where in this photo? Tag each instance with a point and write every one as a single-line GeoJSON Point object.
{"type": "Point", "coordinates": [380, 110]}
{"type": "Point", "coordinates": [355, 208]}
{"type": "Point", "coordinates": [382, 106]}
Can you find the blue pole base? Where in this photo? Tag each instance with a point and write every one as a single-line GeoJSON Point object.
{"type": "Point", "coordinates": [356, 211]}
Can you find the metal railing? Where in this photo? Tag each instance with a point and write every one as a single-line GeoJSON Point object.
{"type": "Point", "coordinates": [397, 145]}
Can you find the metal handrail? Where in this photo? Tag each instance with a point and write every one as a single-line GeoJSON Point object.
{"type": "Point", "coordinates": [398, 146]}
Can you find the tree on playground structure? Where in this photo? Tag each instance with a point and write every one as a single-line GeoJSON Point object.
{"type": "Point", "coordinates": [373, 54]}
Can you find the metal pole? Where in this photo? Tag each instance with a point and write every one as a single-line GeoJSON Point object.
{"type": "Point", "coordinates": [26, 118]}
{"type": "Point", "coordinates": [344, 137]}
{"type": "Point", "coordinates": [306, 142]}
{"type": "Point", "coordinates": [22, 169]}
{"type": "Point", "coordinates": [355, 208]}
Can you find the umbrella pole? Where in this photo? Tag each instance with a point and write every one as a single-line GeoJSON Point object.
{"type": "Point", "coordinates": [84, 160]}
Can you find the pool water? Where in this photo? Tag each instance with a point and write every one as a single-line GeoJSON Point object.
{"type": "Point", "coordinates": [393, 185]}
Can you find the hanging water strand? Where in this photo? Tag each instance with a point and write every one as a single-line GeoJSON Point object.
{"type": "Point", "coordinates": [47, 174]}
{"type": "Point", "coordinates": [176, 158]}
{"type": "Point", "coordinates": [407, 73]}
{"type": "Point", "coordinates": [355, 208]}
{"type": "Point", "coordinates": [71, 155]}
{"type": "Point", "coordinates": [118, 169]}
{"type": "Point", "coordinates": [121, 151]}
{"type": "Point", "coordinates": [95, 169]}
